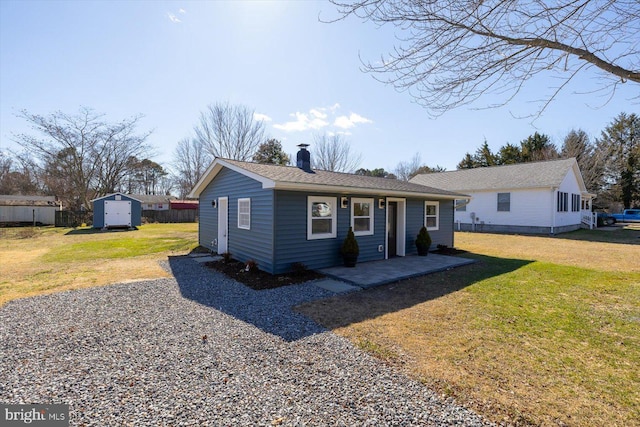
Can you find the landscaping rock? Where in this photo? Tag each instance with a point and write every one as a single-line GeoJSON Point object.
{"type": "Point", "coordinates": [201, 349]}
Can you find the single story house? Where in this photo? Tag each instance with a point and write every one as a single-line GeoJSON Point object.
{"type": "Point", "coordinates": [282, 215]}
{"type": "Point", "coordinates": [40, 210]}
{"type": "Point", "coordinates": [154, 202]}
{"type": "Point", "coordinates": [117, 210]}
{"type": "Point", "coordinates": [540, 197]}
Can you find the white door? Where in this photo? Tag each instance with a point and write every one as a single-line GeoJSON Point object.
{"type": "Point", "coordinates": [223, 225]}
{"type": "Point", "coordinates": [117, 213]}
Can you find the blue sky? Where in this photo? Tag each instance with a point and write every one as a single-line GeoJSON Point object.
{"type": "Point", "coordinates": [169, 59]}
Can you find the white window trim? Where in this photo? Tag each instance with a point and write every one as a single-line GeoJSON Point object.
{"type": "Point", "coordinates": [437, 205]}
{"type": "Point", "coordinates": [240, 224]}
{"type": "Point", "coordinates": [371, 212]}
{"type": "Point", "coordinates": [333, 202]}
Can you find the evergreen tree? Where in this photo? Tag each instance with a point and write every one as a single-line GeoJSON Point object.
{"type": "Point", "coordinates": [468, 162]}
{"type": "Point", "coordinates": [620, 145]}
{"type": "Point", "coordinates": [271, 152]}
{"type": "Point", "coordinates": [484, 157]}
{"type": "Point", "coordinates": [577, 144]}
{"type": "Point", "coordinates": [509, 154]}
{"type": "Point", "coordinates": [538, 147]}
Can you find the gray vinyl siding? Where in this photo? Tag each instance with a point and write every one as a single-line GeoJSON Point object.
{"type": "Point", "coordinates": [291, 234]}
{"type": "Point", "coordinates": [256, 243]}
{"type": "Point", "coordinates": [415, 221]}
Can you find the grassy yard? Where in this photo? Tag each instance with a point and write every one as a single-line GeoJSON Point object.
{"type": "Point", "coordinates": [541, 331]}
{"type": "Point", "coordinates": [48, 259]}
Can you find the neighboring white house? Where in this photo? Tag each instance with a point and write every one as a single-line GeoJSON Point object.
{"type": "Point", "coordinates": [538, 197]}
{"type": "Point", "coordinates": [152, 202]}
{"type": "Point", "coordinates": [28, 209]}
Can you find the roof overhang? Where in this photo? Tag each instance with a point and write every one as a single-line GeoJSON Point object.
{"type": "Point", "coordinates": [215, 168]}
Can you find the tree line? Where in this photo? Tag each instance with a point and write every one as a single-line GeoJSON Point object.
{"type": "Point", "coordinates": [78, 157]}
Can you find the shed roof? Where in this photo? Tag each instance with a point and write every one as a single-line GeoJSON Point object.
{"type": "Point", "coordinates": [296, 179]}
{"type": "Point", "coordinates": [129, 196]}
{"type": "Point", "coordinates": [547, 174]}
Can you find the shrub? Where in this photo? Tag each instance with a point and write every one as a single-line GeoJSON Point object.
{"type": "Point", "coordinates": [423, 242]}
{"type": "Point", "coordinates": [251, 266]}
{"type": "Point", "coordinates": [350, 244]}
{"type": "Point", "coordinates": [298, 268]}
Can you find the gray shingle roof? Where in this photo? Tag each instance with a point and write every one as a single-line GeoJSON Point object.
{"type": "Point", "coordinates": [524, 175]}
{"type": "Point", "coordinates": [318, 178]}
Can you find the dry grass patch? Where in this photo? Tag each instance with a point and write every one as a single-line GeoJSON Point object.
{"type": "Point", "coordinates": [47, 259]}
{"type": "Point", "coordinates": [519, 340]}
{"type": "Point", "coordinates": [617, 250]}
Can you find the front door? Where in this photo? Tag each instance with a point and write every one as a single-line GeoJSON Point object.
{"type": "Point", "coordinates": [223, 225]}
{"type": "Point", "coordinates": [392, 229]}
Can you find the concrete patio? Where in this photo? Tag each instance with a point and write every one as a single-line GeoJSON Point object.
{"type": "Point", "coordinates": [375, 273]}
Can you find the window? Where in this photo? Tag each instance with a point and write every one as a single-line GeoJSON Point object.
{"type": "Point", "coordinates": [244, 214]}
{"type": "Point", "coordinates": [461, 205]}
{"type": "Point", "coordinates": [431, 215]}
{"type": "Point", "coordinates": [362, 216]}
{"type": "Point", "coordinates": [321, 217]}
{"type": "Point", "coordinates": [504, 202]}
{"type": "Point", "coordinates": [575, 203]}
{"type": "Point", "coordinates": [563, 201]}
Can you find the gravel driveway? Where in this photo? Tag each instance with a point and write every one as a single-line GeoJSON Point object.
{"type": "Point", "coordinates": [134, 354]}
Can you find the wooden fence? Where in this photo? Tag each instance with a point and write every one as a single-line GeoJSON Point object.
{"type": "Point", "coordinates": [171, 215]}
{"type": "Point", "coordinates": [73, 218]}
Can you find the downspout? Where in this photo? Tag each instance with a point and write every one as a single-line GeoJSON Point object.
{"type": "Point", "coordinates": [554, 198]}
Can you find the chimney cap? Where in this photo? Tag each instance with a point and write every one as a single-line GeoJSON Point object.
{"type": "Point", "coordinates": [303, 146]}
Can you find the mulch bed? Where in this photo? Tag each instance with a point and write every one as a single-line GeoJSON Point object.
{"type": "Point", "coordinates": [448, 251]}
{"type": "Point", "coordinates": [260, 280]}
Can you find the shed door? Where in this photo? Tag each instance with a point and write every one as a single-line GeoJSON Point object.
{"type": "Point", "coordinates": [117, 213]}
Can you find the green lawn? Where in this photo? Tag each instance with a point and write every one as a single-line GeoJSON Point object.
{"type": "Point", "coordinates": [519, 339]}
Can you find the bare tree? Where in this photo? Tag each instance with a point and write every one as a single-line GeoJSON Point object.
{"type": "Point", "coordinates": [190, 163]}
{"type": "Point", "coordinates": [407, 170]}
{"type": "Point", "coordinates": [229, 131]}
{"type": "Point", "coordinates": [333, 153]}
{"type": "Point", "coordinates": [81, 156]}
{"type": "Point", "coordinates": [453, 52]}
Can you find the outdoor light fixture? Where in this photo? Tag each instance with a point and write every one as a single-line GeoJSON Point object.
{"type": "Point", "coordinates": [381, 203]}
{"type": "Point", "coordinates": [213, 203]}
{"type": "Point", "coordinates": [344, 202]}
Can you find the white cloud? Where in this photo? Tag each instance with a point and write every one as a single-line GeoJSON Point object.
{"type": "Point", "coordinates": [261, 117]}
{"type": "Point", "coordinates": [318, 113]}
{"type": "Point", "coordinates": [345, 122]}
{"type": "Point", "coordinates": [173, 18]}
{"type": "Point", "coordinates": [322, 117]}
{"type": "Point", "coordinates": [182, 11]}
{"type": "Point", "coordinates": [303, 122]}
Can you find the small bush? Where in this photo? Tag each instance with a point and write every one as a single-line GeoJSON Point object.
{"type": "Point", "coordinates": [298, 268]}
{"type": "Point", "coordinates": [251, 266]}
{"type": "Point", "coordinates": [350, 244]}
